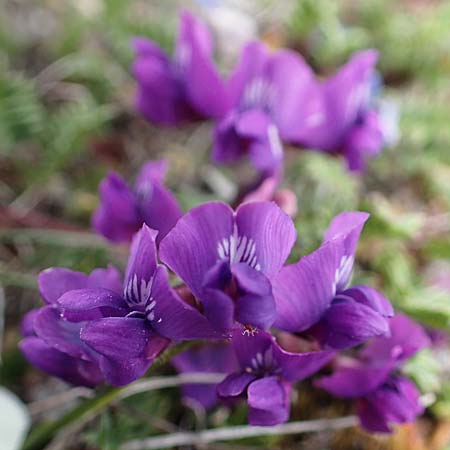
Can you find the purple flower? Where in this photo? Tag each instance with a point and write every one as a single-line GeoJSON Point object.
{"type": "Point", "coordinates": [228, 259]}
{"type": "Point", "coordinates": [122, 210]}
{"type": "Point", "coordinates": [350, 125]}
{"type": "Point", "coordinates": [273, 98]}
{"type": "Point", "coordinates": [129, 328]}
{"type": "Point", "coordinates": [266, 375]}
{"type": "Point", "coordinates": [52, 343]}
{"type": "Point", "coordinates": [383, 396]}
{"type": "Point", "coordinates": [183, 88]}
{"type": "Point", "coordinates": [312, 296]}
{"type": "Point", "coordinates": [211, 357]}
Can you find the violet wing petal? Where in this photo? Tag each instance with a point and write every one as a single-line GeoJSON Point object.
{"type": "Point", "coordinates": [193, 245]}
{"type": "Point", "coordinates": [59, 333]}
{"type": "Point", "coordinates": [305, 290]}
{"type": "Point", "coordinates": [268, 402]}
{"type": "Point", "coordinates": [90, 304]}
{"type": "Point", "coordinates": [267, 235]}
{"type": "Point", "coordinates": [27, 324]}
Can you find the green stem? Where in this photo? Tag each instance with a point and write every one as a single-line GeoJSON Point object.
{"type": "Point", "coordinates": [44, 433]}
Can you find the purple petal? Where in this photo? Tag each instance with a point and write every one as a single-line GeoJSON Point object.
{"type": "Point", "coordinates": [109, 278]}
{"type": "Point", "coordinates": [161, 210]}
{"type": "Point", "coordinates": [117, 337]}
{"type": "Point", "coordinates": [141, 267]}
{"type": "Point", "coordinates": [204, 87]}
{"type": "Point", "coordinates": [395, 402]}
{"type": "Point", "coordinates": [210, 357]}
{"type": "Point", "coordinates": [355, 381]}
{"type": "Point", "coordinates": [298, 366]}
{"type": "Point", "coordinates": [268, 402]}
{"type": "Point", "coordinates": [55, 281]}
{"type": "Point", "coordinates": [364, 140]}
{"type": "Point", "coordinates": [348, 323]}
{"type": "Point", "coordinates": [90, 304]}
{"type": "Point", "coordinates": [145, 48]}
{"type": "Point", "coordinates": [297, 100]}
{"type": "Point", "coordinates": [117, 217]}
{"type": "Point", "coordinates": [218, 308]}
{"type": "Point", "coordinates": [59, 333]}
{"type": "Point", "coordinates": [27, 325]}
{"type": "Point", "coordinates": [372, 298]}
{"type": "Point", "coordinates": [172, 317]}
{"type": "Point", "coordinates": [253, 124]}
{"type": "Point", "coordinates": [266, 153]}
{"type": "Point", "coordinates": [349, 226]}
{"type": "Point", "coordinates": [191, 248]}
{"type": "Point", "coordinates": [406, 338]}
{"type": "Point", "coordinates": [268, 234]}
{"type": "Point", "coordinates": [248, 345]}
{"type": "Point", "coordinates": [127, 345]}
{"type": "Point", "coordinates": [255, 305]}
{"type": "Point", "coordinates": [234, 384]}
{"type": "Point", "coordinates": [305, 290]}
{"type": "Point", "coordinates": [61, 365]}
{"type": "Point", "coordinates": [151, 172]}
{"type": "Point", "coordinates": [228, 146]}
{"type": "Point", "coordinates": [253, 58]}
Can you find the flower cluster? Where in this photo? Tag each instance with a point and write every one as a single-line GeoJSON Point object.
{"type": "Point", "coordinates": [267, 324]}
{"type": "Point", "coordinates": [270, 98]}
{"type": "Point", "coordinates": [219, 274]}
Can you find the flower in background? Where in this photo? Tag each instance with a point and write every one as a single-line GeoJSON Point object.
{"type": "Point", "coordinates": [351, 124]}
{"type": "Point", "coordinates": [185, 87]}
{"type": "Point", "coordinates": [228, 259]}
{"type": "Point", "coordinates": [52, 343]}
{"type": "Point", "coordinates": [123, 210]}
{"type": "Point", "coordinates": [313, 298]}
{"type": "Point", "coordinates": [273, 99]}
{"type": "Point", "coordinates": [383, 395]}
{"type": "Point", "coordinates": [128, 330]}
{"type": "Point", "coordinates": [209, 358]}
{"type": "Point", "coordinates": [266, 375]}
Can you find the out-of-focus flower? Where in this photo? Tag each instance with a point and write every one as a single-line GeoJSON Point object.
{"type": "Point", "coordinates": [228, 259]}
{"type": "Point", "coordinates": [266, 375]}
{"type": "Point", "coordinates": [123, 210]}
{"type": "Point", "coordinates": [350, 124]}
{"type": "Point", "coordinates": [267, 190]}
{"type": "Point", "coordinates": [383, 396]}
{"type": "Point", "coordinates": [273, 98]}
{"type": "Point", "coordinates": [185, 87]}
{"type": "Point", "coordinates": [312, 296]}
{"type": "Point", "coordinates": [52, 343]}
{"type": "Point", "coordinates": [209, 358]}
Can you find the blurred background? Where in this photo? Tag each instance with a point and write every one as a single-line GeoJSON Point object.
{"type": "Point", "coordinates": [67, 117]}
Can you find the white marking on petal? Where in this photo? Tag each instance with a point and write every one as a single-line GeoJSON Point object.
{"type": "Point", "coordinates": [274, 141]}
{"type": "Point", "coordinates": [259, 93]}
{"type": "Point", "coordinates": [238, 249]}
{"type": "Point", "coordinates": [343, 272]}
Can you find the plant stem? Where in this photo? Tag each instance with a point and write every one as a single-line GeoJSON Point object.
{"type": "Point", "coordinates": [239, 432]}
